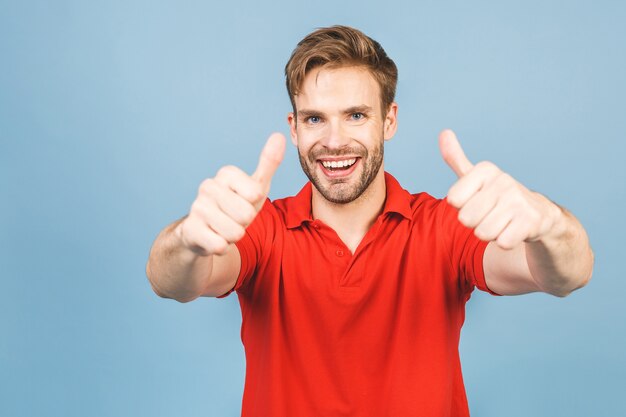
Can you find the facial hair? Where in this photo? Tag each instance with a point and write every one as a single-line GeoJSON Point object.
{"type": "Point", "coordinates": [340, 191]}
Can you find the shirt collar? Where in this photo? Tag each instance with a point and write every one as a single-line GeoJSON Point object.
{"type": "Point", "coordinates": [298, 211]}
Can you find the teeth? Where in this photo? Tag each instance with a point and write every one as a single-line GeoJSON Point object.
{"type": "Point", "coordinates": [339, 164]}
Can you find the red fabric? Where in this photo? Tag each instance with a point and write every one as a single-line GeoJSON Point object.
{"type": "Point", "coordinates": [328, 333]}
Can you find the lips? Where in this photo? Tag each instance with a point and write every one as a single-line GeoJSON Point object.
{"type": "Point", "coordinates": [340, 164]}
{"type": "Point", "coordinates": [338, 167]}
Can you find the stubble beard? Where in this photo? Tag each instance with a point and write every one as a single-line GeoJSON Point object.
{"type": "Point", "coordinates": [340, 191]}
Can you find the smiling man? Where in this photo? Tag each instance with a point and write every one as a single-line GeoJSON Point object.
{"type": "Point", "coordinates": [353, 291]}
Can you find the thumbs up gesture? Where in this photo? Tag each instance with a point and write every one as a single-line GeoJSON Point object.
{"type": "Point", "coordinates": [229, 202]}
{"type": "Point", "coordinates": [494, 204]}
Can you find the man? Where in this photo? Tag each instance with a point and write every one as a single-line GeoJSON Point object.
{"type": "Point", "coordinates": [353, 292]}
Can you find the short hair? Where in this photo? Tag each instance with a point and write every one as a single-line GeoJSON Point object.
{"type": "Point", "coordinates": [341, 46]}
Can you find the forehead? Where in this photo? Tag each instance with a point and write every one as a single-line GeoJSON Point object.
{"type": "Point", "coordinates": [337, 88]}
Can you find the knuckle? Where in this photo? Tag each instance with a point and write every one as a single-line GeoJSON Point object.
{"type": "Point", "coordinates": [206, 186]}
{"type": "Point", "coordinates": [464, 217]}
{"type": "Point", "coordinates": [252, 213]}
{"type": "Point", "coordinates": [506, 242]}
{"type": "Point", "coordinates": [488, 167]}
{"type": "Point", "coordinates": [248, 216]}
{"type": "Point", "coordinates": [481, 230]}
{"type": "Point", "coordinates": [481, 234]}
{"type": "Point", "coordinates": [518, 199]}
{"type": "Point", "coordinates": [193, 216]}
{"type": "Point", "coordinates": [186, 233]}
{"type": "Point", "coordinates": [218, 244]}
{"type": "Point", "coordinates": [484, 164]}
{"type": "Point", "coordinates": [219, 248]}
{"type": "Point", "coordinates": [534, 217]}
{"type": "Point", "coordinates": [258, 205]}
{"type": "Point", "coordinates": [256, 192]}
{"type": "Point", "coordinates": [197, 208]}
{"type": "Point", "coordinates": [233, 233]}
{"type": "Point", "coordinates": [504, 180]}
{"type": "Point", "coordinates": [192, 241]}
{"type": "Point", "coordinates": [453, 197]}
{"type": "Point", "coordinates": [239, 233]}
{"type": "Point", "coordinates": [507, 177]}
{"type": "Point", "coordinates": [226, 171]}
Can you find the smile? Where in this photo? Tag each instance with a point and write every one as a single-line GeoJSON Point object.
{"type": "Point", "coordinates": [340, 164]}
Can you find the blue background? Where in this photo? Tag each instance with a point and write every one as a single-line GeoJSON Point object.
{"type": "Point", "coordinates": [112, 113]}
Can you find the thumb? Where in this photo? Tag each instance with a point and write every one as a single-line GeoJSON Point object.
{"type": "Point", "coordinates": [453, 153]}
{"type": "Point", "coordinates": [271, 157]}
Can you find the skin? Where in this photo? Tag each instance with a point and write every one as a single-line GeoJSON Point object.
{"type": "Point", "coordinates": [196, 255]}
{"type": "Point", "coordinates": [535, 245]}
{"type": "Point", "coordinates": [339, 113]}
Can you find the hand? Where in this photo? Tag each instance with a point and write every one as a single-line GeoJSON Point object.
{"type": "Point", "coordinates": [228, 203]}
{"type": "Point", "coordinates": [494, 204]}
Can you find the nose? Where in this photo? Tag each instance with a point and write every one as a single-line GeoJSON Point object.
{"type": "Point", "coordinates": [336, 136]}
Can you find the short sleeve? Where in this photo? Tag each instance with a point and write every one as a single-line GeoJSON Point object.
{"type": "Point", "coordinates": [465, 249]}
{"type": "Point", "coordinates": [254, 246]}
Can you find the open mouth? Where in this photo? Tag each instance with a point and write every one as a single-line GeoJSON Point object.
{"type": "Point", "coordinates": [339, 165]}
{"type": "Point", "coordinates": [338, 168]}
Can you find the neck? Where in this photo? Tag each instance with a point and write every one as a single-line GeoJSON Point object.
{"type": "Point", "coordinates": [352, 220]}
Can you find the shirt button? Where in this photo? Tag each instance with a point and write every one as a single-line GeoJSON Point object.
{"type": "Point", "coordinates": [339, 252]}
{"type": "Point", "coordinates": [316, 226]}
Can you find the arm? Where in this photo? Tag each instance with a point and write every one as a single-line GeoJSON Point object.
{"type": "Point", "coordinates": [535, 245]}
{"type": "Point", "coordinates": [558, 263]}
{"type": "Point", "coordinates": [178, 272]}
{"type": "Point", "coordinates": [196, 255]}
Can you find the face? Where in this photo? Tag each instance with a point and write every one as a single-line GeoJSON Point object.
{"type": "Point", "coordinates": [339, 130]}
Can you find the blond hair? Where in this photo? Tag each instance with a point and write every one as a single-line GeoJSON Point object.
{"type": "Point", "coordinates": [341, 46]}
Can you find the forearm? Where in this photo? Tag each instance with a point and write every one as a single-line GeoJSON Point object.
{"type": "Point", "coordinates": [174, 271]}
{"type": "Point", "coordinates": [562, 260]}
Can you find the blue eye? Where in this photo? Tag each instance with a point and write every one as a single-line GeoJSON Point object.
{"type": "Point", "coordinates": [357, 116]}
{"type": "Point", "coordinates": [313, 119]}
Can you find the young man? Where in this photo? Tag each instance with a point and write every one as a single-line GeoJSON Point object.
{"type": "Point", "coordinates": [353, 292]}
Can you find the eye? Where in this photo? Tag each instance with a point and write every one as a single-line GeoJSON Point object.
{"type": "Point", "coordinates": [313, 120]}
{"type": "Point", "coordinates": [357, 116]}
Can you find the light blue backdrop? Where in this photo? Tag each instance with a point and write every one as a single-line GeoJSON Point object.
{"type": "Point", "coordinates": [111, 114]}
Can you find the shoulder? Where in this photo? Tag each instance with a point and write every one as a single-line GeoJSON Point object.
{"type": "Point", "coordinates": [287, 212]}
{"type": "Point", "coordinates": [430, 215]}
{"type": "Point", "coordinates": [425, 206]}
{"type": "Point", "coordinates": [294, 210]}
{"type": "Point", "coordinates": [424, 201]}
{"type": "Point", "coordinates": [414, 206]}
{"type": "Point", "coordinates": [427, 212]}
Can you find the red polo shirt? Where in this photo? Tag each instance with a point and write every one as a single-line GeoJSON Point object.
{"type": "Point", "coordinates": [374, 333]}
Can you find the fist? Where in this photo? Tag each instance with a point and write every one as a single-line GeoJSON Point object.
{"type": "Point", "coordinates": [229, 202]}
{"type": "Point", "coordinates": [493, 203]}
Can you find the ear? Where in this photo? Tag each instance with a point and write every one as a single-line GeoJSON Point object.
{"type": "Point", "coordinates": [391, 121]}
{"type": "Point", "coordinates": [291, 119]}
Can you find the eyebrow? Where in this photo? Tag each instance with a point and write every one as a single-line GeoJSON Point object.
{"type": "Point", "coordinates": [358, 109]}
{"type": "Point", "coordinates": [304, 113]}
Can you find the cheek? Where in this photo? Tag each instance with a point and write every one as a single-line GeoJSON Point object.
{"type": "Point", "coordinates": [308, 137]}
{"type": "Point", "coordinates": [367, 134]}
{"type": "Point", "coordinates": [304, 148]}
